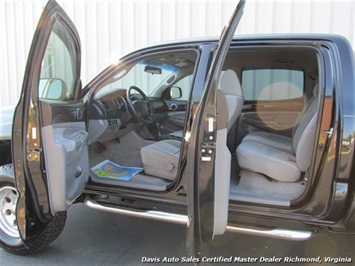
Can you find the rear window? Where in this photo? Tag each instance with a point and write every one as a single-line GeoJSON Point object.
{"type": "Point", "coordinates": [272, 84]}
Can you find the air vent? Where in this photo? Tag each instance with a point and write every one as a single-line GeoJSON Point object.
{"type": "Point", "coordinates": [173, 106]}
{"type": "Point", "coordinates": [107, 106]}
{"type": "Point", "coordinates": [110, 113]}
{"type": "Point", "coordinates": [182, 107]}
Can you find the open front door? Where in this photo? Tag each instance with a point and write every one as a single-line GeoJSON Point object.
{"type": "Point", "coordinates": [50, 151]}
{"type": "Point", "coordinates": [208, 162]}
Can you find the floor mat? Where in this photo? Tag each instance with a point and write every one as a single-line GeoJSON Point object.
{"type": "Point", "coordinates": [110, 170]}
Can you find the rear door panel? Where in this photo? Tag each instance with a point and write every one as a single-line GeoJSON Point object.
{"type": "Point", "coordinates": [207, 196]}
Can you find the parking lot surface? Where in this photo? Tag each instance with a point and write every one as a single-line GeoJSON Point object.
{"type": "Point", "coordinates": [97, 238]}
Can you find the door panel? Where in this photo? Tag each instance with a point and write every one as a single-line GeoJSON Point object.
{"type": "Point", "coordinates": [222, 184]}
{"type": "Point", "coordinates": [177, 119]}
{"type": "Point", "coordinates": [64, 140]}
{"type": "Point", "coordinates": [64, 137]}
{"type": "Point", "coordinates": [208, 184]}
{"type": "Point", "coordinates": [67, 162]}
{"type": "Point", "coordinates": [49, 139]}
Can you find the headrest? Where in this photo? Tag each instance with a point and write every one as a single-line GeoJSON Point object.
{"type": "Point", "coordinates": [230, 84]}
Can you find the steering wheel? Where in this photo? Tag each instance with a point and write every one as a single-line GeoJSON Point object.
{"type": "Point", "coordinates": [141, 110]}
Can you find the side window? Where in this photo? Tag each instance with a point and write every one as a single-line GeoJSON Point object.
{"type": "Point", "coordinates": [272, 84]}
{"type": "Point", "coordinates": [58, 73]}
{"type": "Point", "coordinates": [185, 85]}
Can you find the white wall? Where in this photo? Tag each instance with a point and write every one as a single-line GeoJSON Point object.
{"type": "Point", "coordinates": [110, 29]}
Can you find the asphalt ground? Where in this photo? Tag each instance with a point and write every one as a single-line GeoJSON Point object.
{"type": "Point", "coordinates": [98, 238]}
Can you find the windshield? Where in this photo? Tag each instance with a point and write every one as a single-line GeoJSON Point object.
{"type": "Point", "coordinates": [152, 73]}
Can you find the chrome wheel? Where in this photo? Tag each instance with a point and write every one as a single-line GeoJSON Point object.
{"type": "Point", "coordinates": [10, 239]}
{"type": "Point", "coordinates": [8, 201]}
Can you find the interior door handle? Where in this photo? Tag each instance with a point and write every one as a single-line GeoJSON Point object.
{"type": "Point", "coordinates": [79, 171]}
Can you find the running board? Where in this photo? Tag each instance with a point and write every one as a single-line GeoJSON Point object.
{"type": "Point", "coordinates": [273, 233]}
{"type": "Point", "coordinates": [154, 215]}
{"type": "Point", "coordinates": [182, 219]}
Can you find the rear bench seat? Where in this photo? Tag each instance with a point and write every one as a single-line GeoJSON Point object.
{"type": "Point", "coordinates": [278, 157]}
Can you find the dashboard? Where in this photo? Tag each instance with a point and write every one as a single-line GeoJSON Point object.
{"type": "Point", "coordinates": [110, 117]}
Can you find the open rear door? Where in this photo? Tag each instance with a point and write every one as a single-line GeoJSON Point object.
{"type": "Point", "coordinates": [50, 151]}
{"type": "Point", "coordinates": [208, 162]}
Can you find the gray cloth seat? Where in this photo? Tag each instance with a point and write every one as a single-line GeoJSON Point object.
{"type": "Point", "coordinates": [230, 86]}
{"type": "Point", "coordinates": [161, 158]}
{"type": "Point", "coordinates": [279, 157]}
{"type": "Point", "coordinates": [177, 134]}
{"type": "Point", "coordinates": [279, 142]}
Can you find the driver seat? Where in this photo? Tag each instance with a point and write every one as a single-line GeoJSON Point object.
{"type": "Point", "coordinates": [161, 158]}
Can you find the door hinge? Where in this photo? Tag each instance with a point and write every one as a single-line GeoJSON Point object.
{"type": "Point", "coordinates": [329, 132]}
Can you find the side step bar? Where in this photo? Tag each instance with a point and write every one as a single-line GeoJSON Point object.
{"type": "Point", "coordinates": [273, 233]}
{"type": "Point", "coordinates": [182, 219]}
{"type": "Point", "coordinates": [154, 215]}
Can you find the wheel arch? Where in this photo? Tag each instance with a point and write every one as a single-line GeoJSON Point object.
{"type": "Point", "coordinates": [5, 152]}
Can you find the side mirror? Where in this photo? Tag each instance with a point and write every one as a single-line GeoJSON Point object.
{"type": "Point", "coordinates": [175, 92]}
{"type": "Point", "coordinates": [51, 89]}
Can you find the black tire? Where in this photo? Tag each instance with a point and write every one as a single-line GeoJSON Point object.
{"type": "Point", "coordinates": [8, 239]}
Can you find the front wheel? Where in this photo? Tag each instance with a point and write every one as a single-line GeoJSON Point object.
{"type": "Point", "coordinates": [10, 239]}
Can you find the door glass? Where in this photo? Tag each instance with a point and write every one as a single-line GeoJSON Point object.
{"type": "Point", "coordinates": [58, 73]}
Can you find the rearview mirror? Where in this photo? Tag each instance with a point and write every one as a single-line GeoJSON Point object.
{"type": "Point", "coordinates": [51, 88]}
{"type": "Point", "coordinates": [175, 92]}
{"type": "Point", "coordinates": [153, 70]}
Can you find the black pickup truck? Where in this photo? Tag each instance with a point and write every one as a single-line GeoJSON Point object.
{"type": "Point", "coordinates": [251, 134]}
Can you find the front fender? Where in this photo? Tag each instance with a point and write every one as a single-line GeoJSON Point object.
{"type": "Point", "coordinates": [6, 120]}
